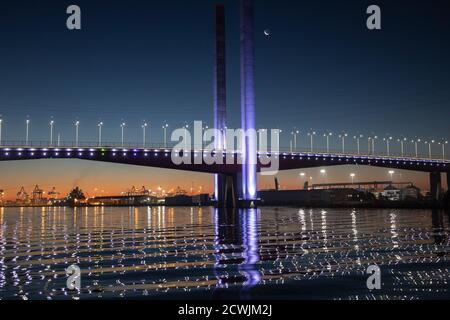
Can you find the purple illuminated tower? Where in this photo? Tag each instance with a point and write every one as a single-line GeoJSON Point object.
{"type": "Point", "coordinates": [248, 116]}
{"type": "Point", "coordinates": [220, 91]}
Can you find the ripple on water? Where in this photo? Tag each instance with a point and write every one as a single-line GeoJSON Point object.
{"type": "Point", "coordinates": [202, 253]}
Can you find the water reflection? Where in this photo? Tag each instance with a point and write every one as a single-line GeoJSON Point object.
{"type": "Point", "coordinates": [204, 252]}
{"type": "Point", "coordinates": [236, 245]}
{"type": "Point", "coordinates": [439, 234]}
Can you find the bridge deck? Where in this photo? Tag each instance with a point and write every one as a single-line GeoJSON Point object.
{"type": "Point", "coordinates": [161, 158]}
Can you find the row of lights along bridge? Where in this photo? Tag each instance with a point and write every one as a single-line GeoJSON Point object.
{"type": "Point", "coordinates": [343, 138]}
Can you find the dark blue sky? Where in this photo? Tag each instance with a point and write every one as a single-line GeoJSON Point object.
{"type": "Point", "coordinates": [152, 60]}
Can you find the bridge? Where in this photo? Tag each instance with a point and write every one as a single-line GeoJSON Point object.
{"type": "Point", "coordinates": [159, 157]}
{"type": "Point", "coordinates": [235, 182]}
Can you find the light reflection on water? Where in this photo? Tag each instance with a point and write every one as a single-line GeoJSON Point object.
{"type": "Point", "coordinates": [273, 253]}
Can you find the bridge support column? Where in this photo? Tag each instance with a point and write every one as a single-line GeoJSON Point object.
{"type": "Point", "coordinates": [227, 186]}
{"type": "Point", "coordinates": [448, 182]}
{"type": "Point", "coordinates": [248, 111]}
{"type": "Point", "coordinates": [435, 185]}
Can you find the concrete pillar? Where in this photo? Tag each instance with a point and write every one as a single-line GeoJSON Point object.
{"type": "Point", "coordinates": [228, 192]}
{"type": "Point", "coordinates": [448, 182]}
{"type": "Point", "coordinates": [248, 111]}
{"type": "Point", "coordinates": [435, 185]}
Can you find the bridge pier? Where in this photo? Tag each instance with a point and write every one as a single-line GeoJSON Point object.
{"type": "Point", "coordinates": [435, 185]}
{"type": "Point", "coordinates": [227, 187]}
{"type": "Point", "coordinates": [248, 109]}
{"type": "Point", "coordinates": [448, 182]}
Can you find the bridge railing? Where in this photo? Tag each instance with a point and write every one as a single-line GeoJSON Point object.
{"type": "Point", "coordinates": [171, 145]}
{"type": "Point", "coordinates": [82, 144]}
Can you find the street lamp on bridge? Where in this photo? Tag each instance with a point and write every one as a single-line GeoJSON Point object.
{"type": "Point", "coordinates": [144, 135]}
{"type": "Point", "coordinates": [327, 137]}
{"type": "Point", "coordinates": [165, 126]}
{"type": "Point", "coordinates": [442, 143]}
{"type": "Point", "coordinates": [77, 124]}
{"type": "Point", "coordinates": [100, 126]}
{"type": "Point", "coordinates": [186, 130]}
{"type": "Point", "coordinates": [51, 132]}
{"type": "Point", "coordinates": [416, 146]}
{"type": "Point", "coordinates": [429, 143]}
{"type": "Point", "coordinates": [343, 136]}
{"type": "Point", "coordinates": [375, 138]}
{"type": "Point", "coordinates": [204, 129]}
{"type": "Point", "coordinates": [311, 135]}
{"type": "Point", "coordinates": [122, 127]}
{"type": "Point", "coordinates": [388, 145]}
{"type": "Point", "coordinates": [262, 136]}
{"type": "Point", "coordinates": [294, 133]}
{"type": "Point", "coordinates": [27, 131]}
{"type": "Point", "coordinates": [358, 140]}
{"type": "Point", "coordinates": [402, 145]}
{"type": "Point", "coordinates": [1, 121]}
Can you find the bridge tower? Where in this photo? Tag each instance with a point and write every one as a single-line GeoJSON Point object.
{"type": "Point", "coordinates": [239, 189]}
{"type": "Point", "coordinates": [225, 187]}
{"type": "Point", "coordinates": [248, 185]}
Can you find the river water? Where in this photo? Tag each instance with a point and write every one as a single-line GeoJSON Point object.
{"type": "Point", "coordinates": [201, 253]}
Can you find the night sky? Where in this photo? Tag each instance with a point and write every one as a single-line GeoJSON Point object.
{"type": "Point", "coordinates": [132, 61]}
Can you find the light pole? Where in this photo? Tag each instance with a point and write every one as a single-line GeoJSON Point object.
{"type": "Point", "coordinates": [323, 173]}
{"type": "Point", "coordinates": [302, 178]}
{"type": "Point", "coordinates": [51, 132]}
{"type": "Point", "coordinates": [358, 138]}
{"type": "Point", "coordinates": [391, 173]}
{"type": "Point", "coordinates": [373, 144]}
{"type": "Point", "coordinates": [122, 127]}
{"type": "Point", "coordinates": [402, 145]}
{"type": "Point", "coordinates": [294, 133]}
{"type": "Point", "coordinates": [327, 136]}
{"type": "Point", "coordinates": [27, 132]}
{"type": "Point", "coordinates": [144, 135]}
{"type": "Point", "coordinates": [100, 125]}
{"type": "Point", "coordinates": [204, 128]}
{"type": "Point", "coordinates": [261, 133]}
{"type": "Point", "coordinates": [429, 143]}
{"type": "Point", "coordinates": [443, 143]}
{"type": "Point", "coordinates": [1, 121]}
{"type": "Point", "coordinates": [311, 135]}
{"type": "Point", "coordinates": [352, 175]}
{"type": "Point", "coordinates": [165, 126]}
{"type": "Point", "coordinates": [343, 136]}
{"type": "Point", "coordinates": [416, 146]}
{"type": "Point", "coordinates": [388, 146]}
{"type": "Point", "coordinates": [186, 129]}
{"type": "Point", "coordinates": [77, 124]}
